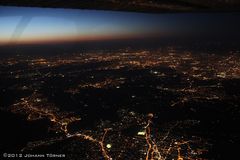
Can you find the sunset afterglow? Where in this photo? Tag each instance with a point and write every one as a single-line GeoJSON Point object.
{"type": "Point", "coordinates": [24, 25]}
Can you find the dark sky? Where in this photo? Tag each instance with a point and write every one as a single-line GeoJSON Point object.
{"type": "Point", "coordinates": [40, 25]}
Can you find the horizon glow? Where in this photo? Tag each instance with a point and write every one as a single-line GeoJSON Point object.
{"type": "Point", "coordinates": [24, 25]}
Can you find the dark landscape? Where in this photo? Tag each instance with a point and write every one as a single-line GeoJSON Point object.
{"type": "Point", "coordinates": [162, 103]}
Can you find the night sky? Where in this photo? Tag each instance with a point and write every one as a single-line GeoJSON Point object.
{"type": "Point", "coordinates": [40, 25]}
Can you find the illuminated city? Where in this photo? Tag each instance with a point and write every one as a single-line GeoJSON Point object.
{"type": "Point", "coordinates": [138, 78]}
